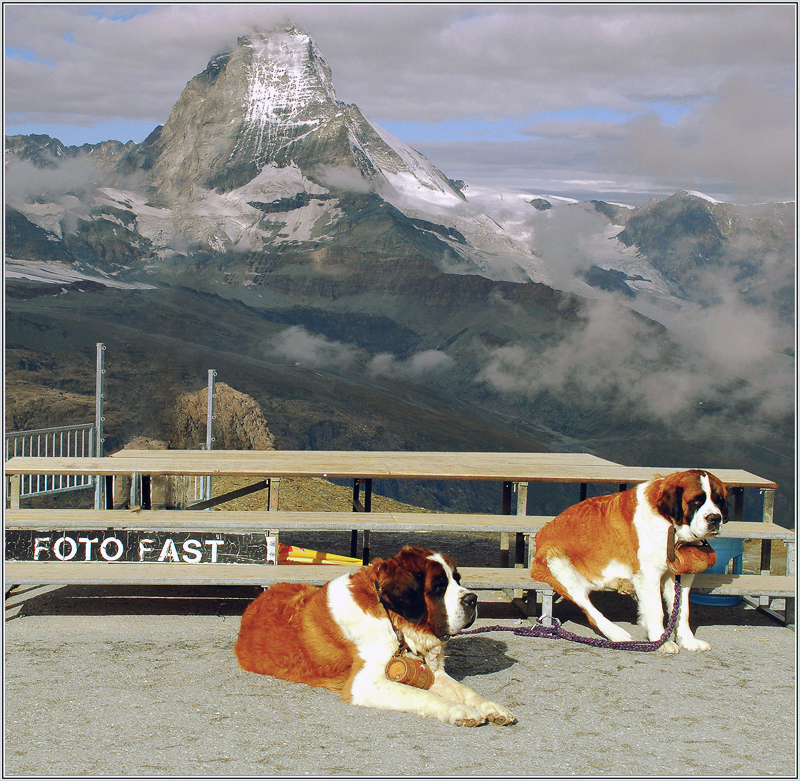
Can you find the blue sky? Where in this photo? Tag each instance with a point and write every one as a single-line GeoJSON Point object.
{"type": "Point", "coordinates": [637, 100]}
{"type": "Point", "coordinates": [517, 129]}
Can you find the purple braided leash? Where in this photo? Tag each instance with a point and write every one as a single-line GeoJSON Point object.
{"type": "Point", "coordinates": [555, 632]}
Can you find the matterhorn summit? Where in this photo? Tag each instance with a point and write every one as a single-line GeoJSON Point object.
{"type": "Point", "coordinates": [271, 101]}
{"type": "Point", "coordinates": [259, 104]}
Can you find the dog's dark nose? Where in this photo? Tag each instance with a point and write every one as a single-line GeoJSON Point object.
{"type": "Point", "coordinates": [470, 599]}
{"type": "Point", "coordinates": [714, 520]}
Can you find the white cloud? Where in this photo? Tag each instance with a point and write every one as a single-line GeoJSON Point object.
{"type": "Point", "coordinates": [616, 359]}
{"type": "Point", "coordinates": [416, 367]}
{"type": "Point", "coordinates": [22, 178]}
{"type": "Point", "coordinates": [342, 177]}
{"type": "Point", "coordinates": [313, 350]}
{"type": "Point", "coordinates": [319, 352]}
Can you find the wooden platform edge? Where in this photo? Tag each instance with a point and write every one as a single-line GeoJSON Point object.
{"type": "Point", "coordinates": [90, 573]}
{"type": "Point", "coordinates": [744, 585]}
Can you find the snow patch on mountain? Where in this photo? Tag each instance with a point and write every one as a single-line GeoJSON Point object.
{"type": "Point", "coordinates": [702, 196]}
{"type": "Point", "coordinates": [55, 272]}
{"type": "Point", "coordinates": [416, 181]}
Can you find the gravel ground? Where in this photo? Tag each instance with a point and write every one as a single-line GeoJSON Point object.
{"type": "Point", "coordinates": [137, 682]}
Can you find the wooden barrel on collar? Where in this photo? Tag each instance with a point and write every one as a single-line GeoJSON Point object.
{"type": "Point", "coordinates": [686, 559]}
{"type": "Point", "coordinates": [410, 671]}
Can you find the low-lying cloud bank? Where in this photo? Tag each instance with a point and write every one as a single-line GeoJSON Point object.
{"type": "Point", "coordinates": [319, 352]}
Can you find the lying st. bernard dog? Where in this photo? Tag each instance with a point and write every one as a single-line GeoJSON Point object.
{"type": "Point", "coordinates": [598, 542]}
{"type": "Point", "coordinates": [342, 636]}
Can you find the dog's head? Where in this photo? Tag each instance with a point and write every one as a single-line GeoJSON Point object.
{"type": "Point", "coordinates": [695, 501]}
{"type": "Point", "coordinates": [423, 588]}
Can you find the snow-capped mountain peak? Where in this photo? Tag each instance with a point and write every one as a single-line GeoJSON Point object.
{"type": "Point", "coordinates": [287, 78]}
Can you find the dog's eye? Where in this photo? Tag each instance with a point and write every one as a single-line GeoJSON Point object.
{"type": "Point", "coordinates": [457, 577]}
{"type": "Point", "coordinates": [439, 586]}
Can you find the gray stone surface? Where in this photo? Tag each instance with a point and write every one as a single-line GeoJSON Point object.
{"type": "Point", "coordinates": [126, 682]}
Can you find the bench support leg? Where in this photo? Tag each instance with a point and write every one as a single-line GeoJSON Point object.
{"type": "Point", "coordinates": [272, 546]}
{"type": "Point", "coordinates": [365, 548]}
{"type": "Point", "coordinates": [789, 612]}
{"type": "Point", "coordinates": [766, 545]}
{"type": "Point", "coordinates": [274, 493]}
{"type": "Point", "coordinates": [359, 507]}
{"type": "Point", "coordinates": [547, 608]}
{"type": "Point", "coordinates": [16, 491]}
{"type": "Point", "coordinates": [504, 547]}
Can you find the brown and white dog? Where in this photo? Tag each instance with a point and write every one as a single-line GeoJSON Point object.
{"type": "Point", "coordinates": [342, 636]}
{"type": "Point", "coordinates": [598, 542]}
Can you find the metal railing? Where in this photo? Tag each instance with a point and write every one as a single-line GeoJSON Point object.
{"type": "Point", "coordinates": [62, 442]}
{"type": "Point", "coordinates": [85, 440]}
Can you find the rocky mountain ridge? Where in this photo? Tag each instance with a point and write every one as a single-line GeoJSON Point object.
{"type": "Point", "coordinates": [258, 155]}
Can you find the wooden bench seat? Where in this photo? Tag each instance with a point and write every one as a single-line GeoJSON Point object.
{"type": "Point", "coordinates": [94, 573]}
{"type": "Point", "coordinates": [745, 585]}
{"type": "Point", "coordinates": [246, 521]}
{"type": "Point", "coordinates": [514, 581]}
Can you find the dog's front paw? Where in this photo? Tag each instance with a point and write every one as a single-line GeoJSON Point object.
{"type": "Point", "coordinates": [464, 716]}
{"type": "Point", "coordinates": [693, 644]}
{"type": "Point", "coordinates": [668, 648]}
{"type": "Point", "coordinates": [497, 714]}
{"type": "Point", "coordinates": [616, 634]}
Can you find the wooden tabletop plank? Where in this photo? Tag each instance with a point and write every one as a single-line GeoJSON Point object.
{"type": "Point", "coordinates": [398, 456]}
{"type": "Point", "coordinates": [510, 467]}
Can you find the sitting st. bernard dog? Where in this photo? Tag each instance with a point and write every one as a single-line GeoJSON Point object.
{"type": "Point", "coordinates": [343, 636]}
{"type": "Point", "coordinates": [602, 540]}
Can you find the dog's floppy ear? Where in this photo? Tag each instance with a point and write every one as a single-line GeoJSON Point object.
{"type": "Point", "coordinates": [670, 501]}
{"type": "Point", "coordinates": [401, 591]}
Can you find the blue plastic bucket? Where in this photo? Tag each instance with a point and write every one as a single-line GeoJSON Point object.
{"type": "Point", "coordinates": [727, 549]}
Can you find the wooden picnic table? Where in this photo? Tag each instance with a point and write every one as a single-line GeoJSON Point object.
{"type": "Point", "coordinates": [511, 469]}
{"type": "Point", "coordinates": [514, 470]}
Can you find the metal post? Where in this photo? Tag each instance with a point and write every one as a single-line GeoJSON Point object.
{"type": "Point", "coordinates": [99, 418]}
{"type": "Point", "coordinates": [210, 423]}
{"type": "Point", "coordinates": [210, 410]}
